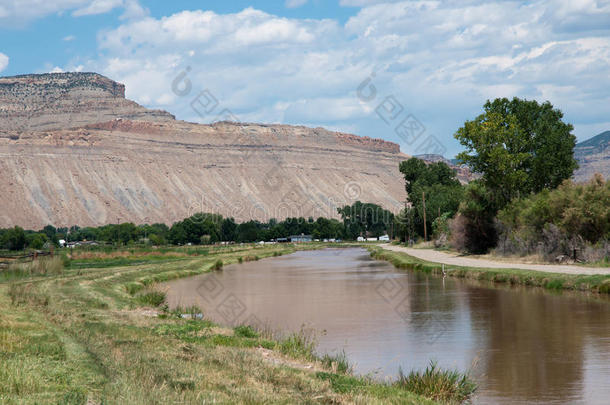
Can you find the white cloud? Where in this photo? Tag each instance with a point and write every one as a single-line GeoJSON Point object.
{"type": "Point", "coordinates": [68, 38]}
{"type": "Point", "coordinates": [295, 3]}
{"type": "Point", "coordinates": [19, 12]}
{"type": "Point", "coordinates": [97, 7]}
{"type": "Point", "coordinates": [3, 61]}
{"type": "Point", "coordinates": [441, 60]}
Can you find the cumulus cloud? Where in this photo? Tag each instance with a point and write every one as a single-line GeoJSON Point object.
{"type": "Point", "coordinates": [441, 61]}
{"type": "Point", "coordinates": [3, 61]}
{"type": "Point", "coordinates": [17, 12]}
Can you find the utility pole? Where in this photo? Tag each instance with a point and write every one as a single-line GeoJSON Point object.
{"type": "Point", "coordinates": [423, 196]}
{"type": "Point", "coordinates": [406, 225]}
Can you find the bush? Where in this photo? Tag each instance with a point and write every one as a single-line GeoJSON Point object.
{"type": "Point", "coordinates": [572, 218]}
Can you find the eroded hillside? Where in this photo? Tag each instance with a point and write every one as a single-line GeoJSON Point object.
{"type": "Point", "coordinates": [75, 151]}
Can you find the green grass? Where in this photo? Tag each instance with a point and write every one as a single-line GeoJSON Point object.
{"type": "Point", "coordinates": [552, 281]}
{"type": "Point", "coordinates": [245, 331]}
{"type": "Point", "coordinates": [151, 298]}
{"type": "Point", "coordinates": [45, 266]}
{"type": "Point", "coordinates": [299, 345]}
{"type": "Point", "coordinates": [339, 363]}
{"type": "Point", "coordinates": [440, 385]}
{"type": "Point", "coordinates": [81, 336]}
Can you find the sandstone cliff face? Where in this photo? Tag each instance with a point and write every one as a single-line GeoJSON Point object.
{"type": "Point", "coordinates": [65, 100]}
{"type": "Point", "coordinates": [87, 156]}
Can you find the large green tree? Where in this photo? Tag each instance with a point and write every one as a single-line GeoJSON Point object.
{"type": "Point", "coordinates": [365, 219]}
{"type": "Point", "coordinates": [438, 184]}
{"type": "Point", "coordinates": [519, 146]}
{"type": "Point", "coordinates": [13, 239]}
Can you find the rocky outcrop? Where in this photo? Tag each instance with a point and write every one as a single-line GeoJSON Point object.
{"type": "Point", "coordinates": [74, 151]}
{"type": "Point", "coordinates": [65, 100]}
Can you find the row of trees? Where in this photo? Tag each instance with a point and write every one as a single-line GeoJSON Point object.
{"type": "Point", "coordinates": [359, 219]}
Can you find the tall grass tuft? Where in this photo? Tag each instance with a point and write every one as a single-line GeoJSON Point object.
{"type": "Point", "coordinates": [151, 297]}
{"type": "Point", "coordinates": [437, 384]}
{"type": "Point", "coordinates": [39, 267]}
{"type": "Point", "coordinates": [218, 265]}
{"type": "Point", "coordinates": [337, 363]}
{"type": "Point", "coordinates": [191, 311]}
{"type": "Point", "coordinates": [245, 331]}
{"type": "Point", "coordinates": [299, 345]}
{"type": "Point", "coordinates": [24, 294]}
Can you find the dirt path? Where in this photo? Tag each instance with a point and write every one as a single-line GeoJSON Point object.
{"type": "Point", "coordinates": [456, 260]}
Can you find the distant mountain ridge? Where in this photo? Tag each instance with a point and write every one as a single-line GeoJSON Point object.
{"type": "Point", "coordinates": [600, 141]}
{"type": "Point", "coordinates": [76, 152]}
{"type": "Point", "coordinates": [593, 156]}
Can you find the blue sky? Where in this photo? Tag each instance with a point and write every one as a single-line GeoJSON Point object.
{"type": "Point", "coordinates": [431, 64]}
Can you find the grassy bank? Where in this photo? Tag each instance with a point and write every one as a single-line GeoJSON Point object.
{"type": "Point", "coordinates": [94, 330]}
{"type": "Point", "coordinates": [551, 281]}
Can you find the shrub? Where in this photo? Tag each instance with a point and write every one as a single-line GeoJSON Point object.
{"type": "Point", "coordinates": [572, 218]}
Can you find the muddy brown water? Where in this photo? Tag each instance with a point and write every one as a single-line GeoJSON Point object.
{"type": "Point", "coordinates": [522, 345]}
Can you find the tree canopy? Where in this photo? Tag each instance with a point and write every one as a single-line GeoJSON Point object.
{"type": "Point", "coordinates": [520, 147]}
{"type": "Point", "coordinates": [442, 190]}
{"type": "Point", "coordinates": [365, 219]}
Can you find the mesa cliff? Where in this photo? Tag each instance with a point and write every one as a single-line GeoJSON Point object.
{"type": "Point", "coordinates": [76, 152]}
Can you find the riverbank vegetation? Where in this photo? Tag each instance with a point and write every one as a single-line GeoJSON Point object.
{"type": "Point", "coordinates": [524, 202]}
{"type": "Point", "coordinates": [551, 281]}
{"type": "Point", "coordinates": [572, 220]}
{"type": "Point", "coordinates": [90, 331]}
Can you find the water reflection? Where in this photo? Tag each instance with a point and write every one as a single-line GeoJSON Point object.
{"type": "Point", "coordinates": [535, 342]}
{"type": "Point", "coordinates": [527, 345]}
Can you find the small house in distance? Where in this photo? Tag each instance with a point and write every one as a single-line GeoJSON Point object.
{"type": "Point", "coordinates": [300, 238]}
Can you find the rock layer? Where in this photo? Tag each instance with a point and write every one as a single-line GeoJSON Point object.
{"type": "Point", "coordinates": [74, 151]}
{"type": "Point", "coordinates": [66, 100]}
